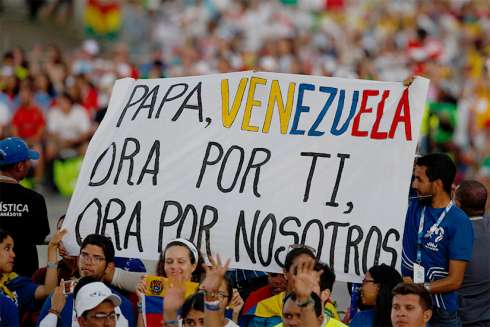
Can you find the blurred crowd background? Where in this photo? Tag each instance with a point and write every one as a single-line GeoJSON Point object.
{"type": "Point", "coordinates": [54, 95]}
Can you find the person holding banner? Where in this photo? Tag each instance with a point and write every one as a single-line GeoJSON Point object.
{"type": "Point", "coordinates": [21, 290]}
{"type": "Point", "coordinates": [95, 260]}
{"type": "Point", "coordinates": [438, 237]}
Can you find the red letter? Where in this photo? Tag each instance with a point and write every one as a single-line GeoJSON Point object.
{"type": "Point", "coordinates": [403, 104]}
{"type": "Point", "coordinates": [379, 114]}
{"type": "Point", "coordinates": [355, 127]}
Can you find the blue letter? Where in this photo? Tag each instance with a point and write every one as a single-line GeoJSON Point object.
{"type": "Point", "coordinates": [300, 108]}
{"type": "Point", "coordinates": [338, 114]}
{"type": "Point", "coordinates": [333, 92]}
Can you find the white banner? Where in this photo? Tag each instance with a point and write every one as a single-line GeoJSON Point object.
{"type": "Point", "coordinates": [246, 164]}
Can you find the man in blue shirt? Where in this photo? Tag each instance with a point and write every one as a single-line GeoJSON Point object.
{"type": "Point", "coordinates": [95, 260]}
{"type": "Point", "coordinates": [438, 237]}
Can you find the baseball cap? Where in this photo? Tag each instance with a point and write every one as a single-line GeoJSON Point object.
{"type": "Point", "coordinates": [93, 294]}
{"type": "Point", "coordinates": [14, 150]}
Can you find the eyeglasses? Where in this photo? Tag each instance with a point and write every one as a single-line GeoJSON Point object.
{"type": "Point", "coordinates": [222, 295]}
{"type": "Point", "coordinates": [301, 246]}
{"type": "Point", "coordinates": [105, 316]}
{"type": "Point", "coordinates": [193, 322]}
{"type": "Point", "coordinates": [86, 257]}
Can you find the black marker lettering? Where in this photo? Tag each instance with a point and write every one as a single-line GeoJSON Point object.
{"type": "Point", "coordinates": [125, 156]}
{"type": "Point", "coordinates": [314, 156]}
{"type": "Point", "coordinates": [135, 218]}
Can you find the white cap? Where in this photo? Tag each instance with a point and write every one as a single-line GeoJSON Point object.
{"type": "Point", "coordinates": [93, 294]}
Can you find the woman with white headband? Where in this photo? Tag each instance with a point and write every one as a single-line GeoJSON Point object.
{"type": "Point", "coordinates": [180, 258]}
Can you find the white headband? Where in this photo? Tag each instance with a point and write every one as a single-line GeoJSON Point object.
{"type": "Point", "coordinates": [190, 246]}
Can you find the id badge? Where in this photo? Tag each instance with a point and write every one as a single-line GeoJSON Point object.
{"type": "Point", "coordinates": [418, 274]}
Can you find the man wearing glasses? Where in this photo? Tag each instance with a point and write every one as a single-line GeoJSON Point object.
{"type": "Point", "coordinates": [96, 305]}
{"type": "Point", "coordinates": [96, 260]}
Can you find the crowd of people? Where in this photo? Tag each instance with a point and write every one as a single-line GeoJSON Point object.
{"type": "Point", "coordinates": [51, 102]}
{"type": "Point", "coordinates": [44, 91]}
{"type": "Point", "coordinates": [444, 278]}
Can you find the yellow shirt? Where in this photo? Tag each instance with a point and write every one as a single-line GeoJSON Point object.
{"type": "Point", "coordinates": [330, 322]}
{"type": "Point", "coordinates": [272, 307]}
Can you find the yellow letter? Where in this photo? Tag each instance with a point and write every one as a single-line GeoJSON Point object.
{"type": "Point", "coordinates": [275, 96]}
{"type": "Point", "coordinates": [251, 102]}
{"type": "Point", "coordinates": [227, 116]}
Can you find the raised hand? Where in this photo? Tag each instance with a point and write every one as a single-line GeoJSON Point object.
{"type": "Point", "coordinates": [236, 304]}
{"type": "Point", "coordinates": [306, 281]}
{"type": "Point", "coordinates": [58, 299]}
{"type": "Point", "coordinates": [175, 296]}
{"type": "Point", "coordinates": [215, 274]}
{"type": "Point", "coordinates": [141, 287]}
{"type": "Point", "coordinates": [57, 237]}
{"type": "Point", "coordinates": [408, 81]}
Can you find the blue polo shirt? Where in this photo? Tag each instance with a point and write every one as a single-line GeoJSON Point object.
{"type": "Point", "coordinates": [453, 240]}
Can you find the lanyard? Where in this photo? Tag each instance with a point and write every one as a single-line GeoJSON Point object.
{"type": "Point", "coordinates": [433, 228]}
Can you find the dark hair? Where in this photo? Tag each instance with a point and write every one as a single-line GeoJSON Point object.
{"type": "Point", "coordinates": [439, 166]}
{"type": "Point", "coordinates": [472, 196]}
{"type": "Point", "coordinates": [387, 278]}
{"type": "Point", "coordinates": [416, 289]}
{"type": "Point", "coordinates": [9, 167]}
{"type": "Point", "coordinates": [327, 278]}
{"type": "Point", "coordinates": [195, 302]}
{"type": "Point", "coordinates": [294, 253]}
{"type": "Point", "coordinates": [196, 274]}
{"type": "Point", "coordinates": [316, 299]}
{"type": "Point", "coordinates": [82, 282]}
{"type": "Point", "coordinates": [67, 96]}
{"type": "Point", "coordinates": [103, 242]}
{"type": "Point", "coordinates": [51, 90]}
{"type": "Point", "coordinates": [4, 234]}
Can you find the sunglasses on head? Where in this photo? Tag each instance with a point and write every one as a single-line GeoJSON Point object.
{"type": "Point", "coordinates": [301, 246]}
